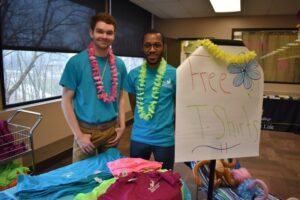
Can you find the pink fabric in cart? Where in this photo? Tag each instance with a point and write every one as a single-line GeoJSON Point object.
{"type": "Point", "coordinates": [125, 166]}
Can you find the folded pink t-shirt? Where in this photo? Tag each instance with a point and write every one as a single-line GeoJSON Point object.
{"type": "Point", "coordinates": [125, 166]}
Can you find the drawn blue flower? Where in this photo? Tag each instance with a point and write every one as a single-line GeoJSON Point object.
{"type": "Point", "coordinates": [245, 73]}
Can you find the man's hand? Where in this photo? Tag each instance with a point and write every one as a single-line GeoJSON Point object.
{"type": "Point", "coordinates": [85, 144]}
{"type": "Point", "coordinates": [115, 142]}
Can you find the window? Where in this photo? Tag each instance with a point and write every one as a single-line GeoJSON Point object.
{"type": "Point", "coordinates": [278, 52]}
{"type": "Point", "coordinates": [132, 62]}
{"type": "Point", "coordinates": [32, 75]}
{"type": "Point", "coordinates": [38, 37]}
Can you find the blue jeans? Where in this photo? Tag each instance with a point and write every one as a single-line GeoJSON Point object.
{"type": "Point", "coordinates": [161, 154]}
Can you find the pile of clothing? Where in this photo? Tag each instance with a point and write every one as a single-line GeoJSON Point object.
{"type": "Point", "coordinates": [68, 180]}
{"type": "Point", "coordinates": [8, 146]}
{"type": "Point", "coordinates": [109, 175]}
{"type": "Point", "coordinates": [9, 173]}
{"type": "Point", "coordinates": [136, 178]}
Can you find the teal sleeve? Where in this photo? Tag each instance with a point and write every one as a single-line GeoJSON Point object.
{"type": "Point", "coordinates": [129, 85]}
{"type": "Point", "coordinates": [69, 78]}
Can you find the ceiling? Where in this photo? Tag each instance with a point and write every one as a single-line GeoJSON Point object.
{"type": "Point", "coordinates": [176, 9]}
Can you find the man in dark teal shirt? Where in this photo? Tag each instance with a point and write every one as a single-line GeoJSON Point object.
{"type": "Point", "coordinates": [152, 88]}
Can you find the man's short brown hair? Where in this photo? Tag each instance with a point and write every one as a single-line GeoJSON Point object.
{"type": "Point", "coordinates": [104, 17]}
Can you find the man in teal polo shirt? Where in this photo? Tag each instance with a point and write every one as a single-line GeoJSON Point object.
{"type": "Point", "coordinates": [152, 88]}
{"type": "Point", "coordinates": [92, 100]}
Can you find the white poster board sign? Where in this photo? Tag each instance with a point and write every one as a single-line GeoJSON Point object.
{"type": "Point", "coordinates": [218, 107]}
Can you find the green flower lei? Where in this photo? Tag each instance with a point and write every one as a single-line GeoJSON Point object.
{"type": "Point", "coordinates": [220, 54]}
{"type": "Point", "coordinates": [155, 90]}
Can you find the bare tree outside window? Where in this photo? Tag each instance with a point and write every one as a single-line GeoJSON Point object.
{"type": "Point", "coordinates": [31, 75]}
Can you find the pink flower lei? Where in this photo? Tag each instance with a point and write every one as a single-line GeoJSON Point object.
{"type": "Point", "coordinates": [101, 94]}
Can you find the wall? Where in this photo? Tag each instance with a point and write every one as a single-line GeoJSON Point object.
{"type": "Point", "coordinates": [221, 28]}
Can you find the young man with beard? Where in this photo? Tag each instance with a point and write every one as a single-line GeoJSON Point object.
{"type": "Point", "coordinates": [151, 89]}
{"type": "Point", "coordinates": [92, 100]}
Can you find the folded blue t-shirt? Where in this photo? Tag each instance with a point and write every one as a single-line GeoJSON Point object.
{"type": "Point", "coordinates": [67, 180]}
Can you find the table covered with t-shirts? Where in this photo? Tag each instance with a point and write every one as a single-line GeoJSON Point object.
{"type": "Point", "coordinates": [89, 178]}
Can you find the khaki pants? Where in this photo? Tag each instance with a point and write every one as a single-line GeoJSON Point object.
{"type": "Point", "coordinates": [100, 138]}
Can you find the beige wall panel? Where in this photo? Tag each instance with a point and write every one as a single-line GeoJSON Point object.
{"type": "Point", "coordinates": [219, 27]}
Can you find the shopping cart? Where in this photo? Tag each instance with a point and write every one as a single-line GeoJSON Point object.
{"type": "Point", "coordinates": [17, 140]}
